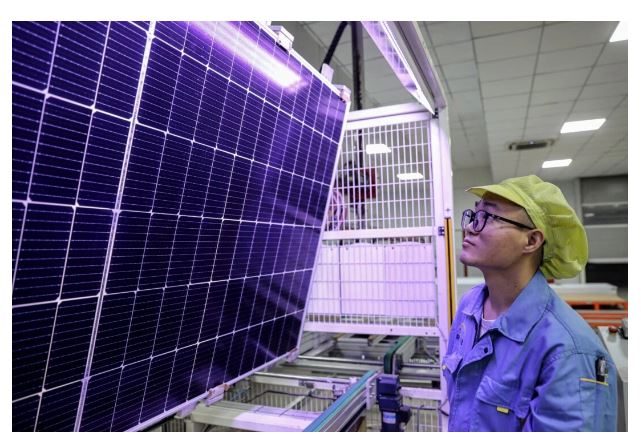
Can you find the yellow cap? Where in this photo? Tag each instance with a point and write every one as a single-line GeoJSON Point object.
{"type": "Point", "coordinates": [566, 248]}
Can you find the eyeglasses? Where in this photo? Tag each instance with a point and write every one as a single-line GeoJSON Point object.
{"type": "Point", "coordinates": [478, 220]}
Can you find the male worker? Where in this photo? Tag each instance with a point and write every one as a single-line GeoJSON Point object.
{"type": "Point", "coordinates": [518, 357]}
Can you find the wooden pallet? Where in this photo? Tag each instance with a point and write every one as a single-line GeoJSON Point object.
{"type": "Point", "coordinates": [595, 302]}
{"type": "Point", "coordinates": [598, 309]}
{"type": "Point", "coordinates": [603, 317]}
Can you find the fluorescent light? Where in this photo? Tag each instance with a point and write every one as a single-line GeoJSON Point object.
{"type": "Point", "coordinates": [556, 163]}
{"type": "Point", "coordinates": [580, 126]}
{"type": "Point", "coordinates": [621, 33]}
{"type": "Point", "coordinates": [377, 148]}
{"type": "Point", "coordinates": [384, 39]}
{"type": "Point", "coordinates": [409, 176]}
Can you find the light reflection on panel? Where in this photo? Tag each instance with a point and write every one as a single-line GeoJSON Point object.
{"type": "Point", "coordinates": [169, 185]}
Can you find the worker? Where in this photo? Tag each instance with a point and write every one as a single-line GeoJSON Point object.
{"type": "Point", "coordinates": [518, 357]}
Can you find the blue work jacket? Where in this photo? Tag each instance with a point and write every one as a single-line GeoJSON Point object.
{"type": "Point", "coordinates": [534, 370]}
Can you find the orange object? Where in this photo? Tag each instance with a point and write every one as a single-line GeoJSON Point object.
{"type": "Point", "coordinates": [595, 301]}
{"type": "Point", "coordinates": [598, 309]}
{"type": "Point", "coordinates": [597, 318]}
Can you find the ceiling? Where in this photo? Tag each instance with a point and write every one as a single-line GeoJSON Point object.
{"type": "Point", "coordinates": [514, 81]}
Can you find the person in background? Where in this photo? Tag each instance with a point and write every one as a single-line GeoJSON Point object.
{"type": "Point", "coordinates": [518, 357]}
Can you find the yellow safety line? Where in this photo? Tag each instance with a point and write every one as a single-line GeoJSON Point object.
{"type": "Point", "coordinates": [449, 250]}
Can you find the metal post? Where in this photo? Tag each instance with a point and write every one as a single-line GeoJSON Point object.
{"type": "Point", "coordinates": [357, 63]}
{"type": "Point", "coordinates": [359, 82]}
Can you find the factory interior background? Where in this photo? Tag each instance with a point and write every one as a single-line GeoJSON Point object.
{"type": "Point", "coordinates": [510, 82]}
{"type": "Point", "coordinates": [375, 288]}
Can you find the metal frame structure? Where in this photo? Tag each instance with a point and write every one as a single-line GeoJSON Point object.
{"type": "Point", "coordinates": [402, 45]}
{"type": "Point", "coordinates": [376, 272]}
{"type": "Point", "coordinates": [320, 392]}
{"type": "Point", "coordinates": [385, 268]}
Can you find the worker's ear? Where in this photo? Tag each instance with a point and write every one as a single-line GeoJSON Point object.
{"type": "Point", "coordinates": [535, 239]}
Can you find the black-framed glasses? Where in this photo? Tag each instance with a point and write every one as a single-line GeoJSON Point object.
{"type": "Point", "coordinates": [478, 220]}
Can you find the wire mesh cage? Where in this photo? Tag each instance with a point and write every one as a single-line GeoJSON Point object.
{"type": "Point", "coordinates": [376, 270]}
{"type": "Point", "coordinates": [384, 177]}
{"type": "Point", "coordinates": [390, 284]}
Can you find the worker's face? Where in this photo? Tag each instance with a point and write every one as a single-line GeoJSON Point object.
{"type": "Point", "coordinates": [500, 244]}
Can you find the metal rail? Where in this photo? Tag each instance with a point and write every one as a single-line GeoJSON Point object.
{"type": "Point", "coordinates": [343, 412]}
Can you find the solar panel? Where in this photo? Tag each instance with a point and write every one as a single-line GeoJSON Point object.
{"type": "Point", "coordinates": [170, 181]}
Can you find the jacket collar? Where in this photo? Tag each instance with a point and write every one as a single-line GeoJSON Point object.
{"type": "Point", "coordinates": [526, 310]}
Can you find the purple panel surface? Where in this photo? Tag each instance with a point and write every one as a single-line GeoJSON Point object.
{"type": "Point", "coordinates": [169, 185]}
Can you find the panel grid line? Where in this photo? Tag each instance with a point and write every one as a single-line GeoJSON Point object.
{"type": "Point", "coordinates": [33, 165]}
{"type": "Point", "coordinates": [24, 217]}
{"type": "Point", "coordinates": [180, 192]}
{"type": "Point", "coordinates": [114, 225]}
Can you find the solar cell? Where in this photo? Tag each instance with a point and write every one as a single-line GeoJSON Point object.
{"type": "Point", "coordinates": [59, 407]}
{"type": "Point", "coordinates": [169, 184]}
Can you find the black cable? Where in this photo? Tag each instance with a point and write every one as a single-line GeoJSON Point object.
{"type": "Point", "coordinates": [334, 44]}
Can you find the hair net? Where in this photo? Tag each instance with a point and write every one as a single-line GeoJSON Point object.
{"type": "Point", "coordinates": [566, 248]}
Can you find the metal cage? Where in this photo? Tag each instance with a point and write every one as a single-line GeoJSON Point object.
{"type": "Point", "coordinates": [381, 269]}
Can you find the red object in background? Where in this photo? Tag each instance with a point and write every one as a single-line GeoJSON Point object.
{"type": "Point", "coordinates": [359, 184]}
{"type": "Point", "coordinates": [599, 310]}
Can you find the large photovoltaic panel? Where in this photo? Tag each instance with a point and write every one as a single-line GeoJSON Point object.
{"type": "Point", "coordinates": [170, 181]}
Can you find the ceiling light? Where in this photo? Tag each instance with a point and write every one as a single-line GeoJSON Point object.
{"type": "Point", "coordinates": [580, 126]}
{"type": "Point", "coordinates": [383, 37]}
{"type": "Point", "coordinates": [621, 33]}
{"type": "Point", "coordinates": [377, 148]}
{"type": "Point", "coordinates": [409, 176]}
{"type": "Point", "coordinates": [556, 163]}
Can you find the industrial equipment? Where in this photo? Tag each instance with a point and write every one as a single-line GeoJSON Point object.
{"type": "Point", "coordinates": [171, 238]}
{"type": "Point", "coordinates": [394, 415]}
